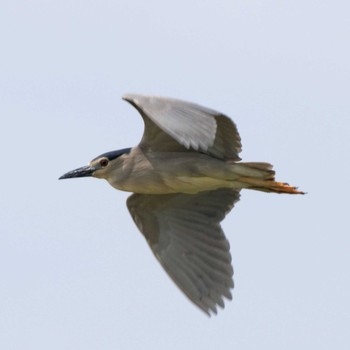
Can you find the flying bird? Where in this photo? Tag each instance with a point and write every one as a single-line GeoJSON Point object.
{"type": "Point", "coordinates": [185, 176]}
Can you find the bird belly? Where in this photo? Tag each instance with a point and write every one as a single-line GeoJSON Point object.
{"type": "Point", "coordinates": [168, 172]}
{"type": "Point", "coordinates": [174, 184]}
{"type": "Point", "coordinates": [190, 184]}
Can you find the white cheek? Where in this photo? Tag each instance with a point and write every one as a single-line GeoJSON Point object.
{"type": "Point", "coordinates": [101, 173]}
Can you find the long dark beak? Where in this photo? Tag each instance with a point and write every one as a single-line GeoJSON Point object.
{"type": "Point", "coordinates": [80, 172]}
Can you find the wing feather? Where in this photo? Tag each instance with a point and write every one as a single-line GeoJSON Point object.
{"type": "Point", "coordinates": [174, 125]}
{"type": "Point", "coordinates": [184, 233]}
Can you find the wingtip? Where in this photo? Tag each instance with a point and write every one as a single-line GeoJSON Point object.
{"type": "Point", "coordinates": [134, 96]}
{"type": "Point", "coordinates": [128, 97]}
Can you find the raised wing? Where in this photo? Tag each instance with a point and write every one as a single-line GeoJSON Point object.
{"type": "Point", "coordinates": [191, 127]}
{"type": "Point", "coordinates": [184, 233]}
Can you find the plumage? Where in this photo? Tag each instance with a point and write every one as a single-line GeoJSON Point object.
{"type": "Point", "coordinates": [184, 233]}
{"type": "Point", "coordinates": [190, 125]}
{"type": "Point", "coordinates": [185, 177]}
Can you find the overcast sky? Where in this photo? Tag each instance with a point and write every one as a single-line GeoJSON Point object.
{"type": "Point", "coordinates": [75, 273]}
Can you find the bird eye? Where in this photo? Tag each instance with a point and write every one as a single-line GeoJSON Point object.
{"type": "Point", "coordinates": [104, 162]}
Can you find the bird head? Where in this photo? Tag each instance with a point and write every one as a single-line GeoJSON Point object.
{"type": "Point", "coordinates": [99, 167]}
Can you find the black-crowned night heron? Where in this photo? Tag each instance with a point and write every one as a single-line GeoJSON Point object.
{"type": "Point", "coordinates": [186, 176]}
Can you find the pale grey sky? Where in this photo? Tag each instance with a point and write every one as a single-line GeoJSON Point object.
{"type": "Point", "coordinates": [75, 272]}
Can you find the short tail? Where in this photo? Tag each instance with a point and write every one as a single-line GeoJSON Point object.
{"type": "Point", "coordinates": [264, 180]}
{"type": "Point", "coordinates": [269, 186]}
